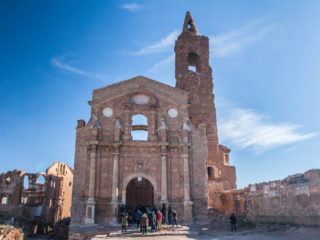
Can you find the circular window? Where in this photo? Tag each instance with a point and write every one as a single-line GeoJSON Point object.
{"type": "Point", "coordinates": [107, 112]}
{"type": "Point", "coordinates": [173, 113]}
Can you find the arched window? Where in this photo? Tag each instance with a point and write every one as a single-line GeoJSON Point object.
{"type": "Point", "coordinates": [139, 128]}
{"type": "Point", "coordinates": [193, 62]}
{"type": "Point", "coordinates": [40, 179]}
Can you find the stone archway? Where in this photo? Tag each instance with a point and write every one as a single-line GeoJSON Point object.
{"type": "Point", "coordinates": [147, 185]}
{"type": "Point", "coordinates": [139, 192]}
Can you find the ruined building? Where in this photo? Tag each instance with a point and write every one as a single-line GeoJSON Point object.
{"type": "Point", "coordinates": [29, 196]}
{"type": "Point", "coordinates": [171, 156]}
{"type": "Point", "coordinates": [294, 200]}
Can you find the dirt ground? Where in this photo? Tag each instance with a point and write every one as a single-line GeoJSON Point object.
{"type": "Point", "coordinates": [200, 233]}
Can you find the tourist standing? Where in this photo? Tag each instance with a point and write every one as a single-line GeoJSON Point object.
{"type": "Point", "coordinates": [159, 220]}
{"type": "Point", "coordinates": [233, 221]}
{"type": "Point", "coordinates": [169, 215]}
{"type": "Point", "coordinates": [152, 221]}
{"type": "Point", "coordinates": [163, 211]}
{"type": "Point", "coordinates": [174, 217]}
{"type": "Point", "coordinates": [138, 217]}
{"type": "Point", "coordinates": [155, 216]}
{"type": "Point", "coordinates": [124, 223]}
{"type": "Point", "coordinates": [144, 223]}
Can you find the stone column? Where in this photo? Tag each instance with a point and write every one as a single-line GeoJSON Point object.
{"type": "Point", "coordinates": [123, 199]}
{"type": "Point", "coordinates": [186, 175]}
{"type": "Point", "coordinates": [115, 174]}
{"type": "Point", "coordinates": [115, 179]}
{"type": "Point", "coordinates": [164, 188]}
{"type": "Point", "coordinates": [186, 187]}
{"type": "Point", "coordinates": [90, 205]}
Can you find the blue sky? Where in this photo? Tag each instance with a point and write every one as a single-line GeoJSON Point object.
{"type": "Point", "coordinates": [265, 57]}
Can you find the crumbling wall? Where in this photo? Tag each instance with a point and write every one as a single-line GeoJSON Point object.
{"type": "Point", "coordinates": [295, 199]}
{"type": "Point", "coordinates": [57, 200]}
{"type": "Point", "coordinates": [10, 191]}
{"type": "Point", "coordinates": [24, 196]}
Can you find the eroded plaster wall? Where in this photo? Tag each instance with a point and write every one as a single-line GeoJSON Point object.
{"type": "Point", "coordinates": [295, 199]}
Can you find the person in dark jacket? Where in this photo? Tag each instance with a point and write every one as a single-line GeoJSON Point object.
{"type": "Point", "coordinates": [174, 217]}
{"type": "Point", "coordinates": [138, 217]}
{"type": "Point", "coordinates": [169, 215]}
{"type": "Point", "coordinates": [163, 211]}
{"type": "Point", "coordinates": [152, 221]}
{"type": "Point", "coordinates": [233, 221]}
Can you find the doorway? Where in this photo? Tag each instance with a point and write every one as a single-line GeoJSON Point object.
{"type": "Point", "coordinates": [139, 192]}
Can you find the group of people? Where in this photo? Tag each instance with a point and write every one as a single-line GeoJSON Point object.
{"type": "Point", "coordinates": [147, 217]}
{"type": "Point", "coordinates": [144, 217]}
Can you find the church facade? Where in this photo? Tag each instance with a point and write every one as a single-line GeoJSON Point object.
{"type": "Point", "coordinates": [150, 144]}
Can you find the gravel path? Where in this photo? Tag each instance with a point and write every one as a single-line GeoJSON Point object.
{"type": "Point", "coordinates": [184, 233]}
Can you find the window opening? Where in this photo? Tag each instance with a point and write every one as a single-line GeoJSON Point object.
{"type": "Point", "coordinates": [4, 200]}
{"type": "Point", "coordinates": [24, 200]}
{"type": "Point", "coordinates": [139, 128]}
{"type": "Point", "coordinates": [210, 173]}
{"type": "Point", "coordinates": [190, 27]}
{"type": "Point", "coordinates": [193, 62]}
{"type": "Point", "coordinates": [25, 182]}
{"type": "Point", "coordinates": [192, 68]}
{"type": "Point", "coordinates": [139, 179]}
{"type": "Point", "coordinates": [40, 179]}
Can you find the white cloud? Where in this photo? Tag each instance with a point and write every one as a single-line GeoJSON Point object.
{"type": "Point", "coordinates": [160, 46]}
{"type": "Point", "coordinates": [163, 63]}
{"type": "Point", "coordinates": [226, 44]}
{"type": "Point", "coordinates": [60, 64]}
{"type": "Point", "coordinates": [248, 129]}
{"type": "Point", "coordinates": [131, 6]}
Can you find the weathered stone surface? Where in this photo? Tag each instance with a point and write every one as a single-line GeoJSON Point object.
{"type": "Point", "coordinates": [295, 199]}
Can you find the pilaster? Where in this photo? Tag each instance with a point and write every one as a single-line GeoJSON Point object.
{"type": "Point", "coordinates": [164, 185]}
{"type": "Point", "coordinates": [90, 204]}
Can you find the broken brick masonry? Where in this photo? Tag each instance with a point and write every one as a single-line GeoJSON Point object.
{"type": "Point", "coordinates": [26, 196]}
{"type": "Point", "coordinates": [295, 200]}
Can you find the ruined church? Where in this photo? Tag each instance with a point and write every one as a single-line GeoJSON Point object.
{"type": "Point", "coordinates": [149, 144]}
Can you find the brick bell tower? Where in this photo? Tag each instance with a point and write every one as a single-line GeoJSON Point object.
{"type": "Point", "coordinates": [194, 74]}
